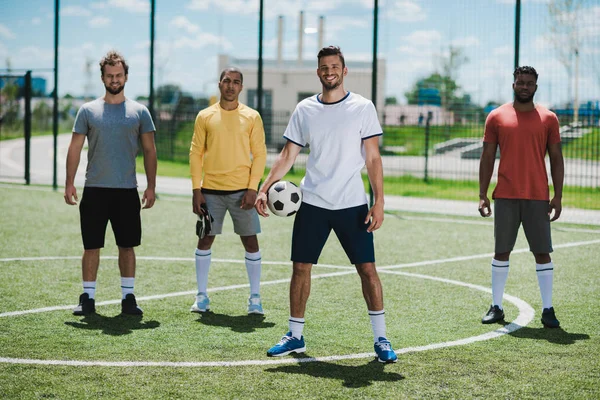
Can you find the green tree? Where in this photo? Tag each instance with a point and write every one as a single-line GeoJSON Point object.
{"type": "Point", "coordinates": [391, 100]}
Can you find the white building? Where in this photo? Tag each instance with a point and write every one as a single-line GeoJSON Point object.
{"type": "Point", "coordinates": [287, 82]}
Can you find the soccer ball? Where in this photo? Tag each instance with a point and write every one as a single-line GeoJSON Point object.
{"type": "Point", "coordinates": [284, 198]}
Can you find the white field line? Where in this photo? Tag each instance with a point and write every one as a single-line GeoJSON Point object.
{"type": "Point", "coordinates": [525, 316]}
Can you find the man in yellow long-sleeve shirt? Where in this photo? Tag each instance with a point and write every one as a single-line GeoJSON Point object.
{"type": "Point", "coordinates": [227, 161]}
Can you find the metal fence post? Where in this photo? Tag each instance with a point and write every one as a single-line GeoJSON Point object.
{"type": "Point", "coordinates": [27, 126]}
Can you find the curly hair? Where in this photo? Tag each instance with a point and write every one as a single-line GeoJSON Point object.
{"type": "Point", "coordinates": [113, 58]}
{"type": "Point", "coordinates": [525, 70]}
{"type": "Point", "coordinates": [331, 51]}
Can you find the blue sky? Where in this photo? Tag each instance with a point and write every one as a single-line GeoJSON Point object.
{"type": "Point", "coordinates": [414, 37]}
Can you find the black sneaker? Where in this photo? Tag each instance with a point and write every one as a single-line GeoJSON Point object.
{"type": "Point", "coordinates": [494, 314]}
{"type": "Point", "coordinates": [86, 305]}
{"type": "Point", "coordinates": [129, 305]}
{"type": "Point", "coordinates": [549, 318]}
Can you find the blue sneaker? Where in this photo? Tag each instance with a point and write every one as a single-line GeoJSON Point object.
{"type": "Point", "coordinates": [384, 351]}
{"type": "Point", "coordinates": [255, 305]}
{"type": "Point", "coordinates": [288, 344]}
{"type": "Point", "coordinates": [202, 303]}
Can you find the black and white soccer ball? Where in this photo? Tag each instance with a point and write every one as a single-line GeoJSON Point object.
{"type": "Point", "coordinates": [284, 198]}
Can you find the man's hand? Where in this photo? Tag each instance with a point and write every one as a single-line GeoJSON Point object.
{"type": "Point", "coordinates": [148, 198]}
{"type": "Point", "coordinates": [249, 199]}
{"type": "Point", "coordinates": [197, 201]}
{"type": "Point", "coordinates": [261, 204]}
{"type": "Point", "coordinates": [484, 206]}
{"type": "Point", "coordinates": [71, 195]}
{"type": "Point", "coordinates": [375, 217]}
{"type": "Point", "coordinates": [556, 205]}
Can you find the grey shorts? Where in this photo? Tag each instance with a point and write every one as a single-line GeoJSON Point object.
{"type": "Point", "coordinates": [245, 222]}
{"type": "Point", "coordinates": [510, 213]}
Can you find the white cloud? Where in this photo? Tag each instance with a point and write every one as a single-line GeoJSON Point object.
{"type": "Point", "coordinates": [185, 24]}
{"type": "Point", "coordinates": [230, 6]}
{"type": "Point", "coordinates": [99, 22]}
{"type": "Point", "coordinates": [406, 11]}
{"type": "Point", "coordinates": [134, 6]}
{"type": "Point", "coordinates": [98, 6]}
{"type": "Point", "coordinates": [427, 38]}
{"type": "Point", "coordinates": [202, 40]}
{"type": "Point", "coordinates": [512, 2]}
{"type": "Point", "coordinates": [503, 51]}
{"type": "Point", "coordinates": [36, 21]}
{"type": "Point", "coordinates": [467, 41]}
{"type": "Point", "coordinates": [75, 11]}
{"type": "Point", "coordinates": [6, 33]}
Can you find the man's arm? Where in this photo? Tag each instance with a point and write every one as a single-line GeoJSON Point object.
{"type": "Point", "coordinates": [73, 157]}
{"type": "Point", "coordinates": [486, 169]}
{"type": "Point", "coordinates": [557, 170]}
{"type": "Point", "coordinates": [375, 172]}
{"type": "Point", "coordinates": [150, 165]}
{"type": "Point", "coordinates": [282, 165]}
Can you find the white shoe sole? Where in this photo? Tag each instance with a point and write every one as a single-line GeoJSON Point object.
{"type": "Point", "coordinates": [300, 350]}
{"type": "Point", "coordinates": [386, 362]}
{"type": "Point", "coordinates": [255, 312]}
{"type": "Point", "coordinates": [199, 310]}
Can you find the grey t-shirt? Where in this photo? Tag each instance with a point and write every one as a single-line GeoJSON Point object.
{"type": "Point", "coordinates": [112, 132]}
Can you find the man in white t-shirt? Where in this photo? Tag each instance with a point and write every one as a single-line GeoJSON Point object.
{"type": "Point", "coordinates": [343, 132]}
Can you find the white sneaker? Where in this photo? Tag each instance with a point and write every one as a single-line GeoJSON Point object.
{"type": "Point", "coordinates": [255, 305]}
{"type": "Point", "coordinates": [202, 303]}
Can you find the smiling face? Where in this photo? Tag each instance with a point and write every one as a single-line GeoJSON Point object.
{"type": "Point", "coordinates": [230, 86]}
{"type": "Point", "coordinates": [331, 72]}
{"type": "Point", "coordinates": [114, 78]}
{"type": "Point", "coordinates": [524, 87]}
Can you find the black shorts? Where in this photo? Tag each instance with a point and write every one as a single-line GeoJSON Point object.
{"type": "Point", "coordinates": [119, 206]}
{"type": "Point", "coordinates": [533, 214]}
{"type": "Point", "coordinates": [312, 226]}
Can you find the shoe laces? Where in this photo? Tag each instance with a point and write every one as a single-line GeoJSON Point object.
{"type": "Point", "coordinates": [385, 346]}
{"type": "Point", "coordinates": [255, 301]}
{"type": "Point", "coordinates": [285, 339]}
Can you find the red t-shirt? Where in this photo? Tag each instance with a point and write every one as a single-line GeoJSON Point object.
{"type": "Point", "coordinates": [523, 138]}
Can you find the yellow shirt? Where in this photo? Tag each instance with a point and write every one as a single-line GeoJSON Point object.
{"type": "Point", "coordinates": [228, 150]}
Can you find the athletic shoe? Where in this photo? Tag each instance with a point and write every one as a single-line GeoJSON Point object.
{"type": "Point", "coordinates": [494, 314]}
{"type": "Point", "coordinates": [202, 303]}
{"type": "Point", "coordinates": [255, 305]}
{"type": "Point", "coordinates": [129, 305]}
{"type": "Point", "coordinates": [86, 305]}
{"type": "Point", "coordinates": [288, 344]}
{"type": "Point", "coordinates": [549, 318]}
{"type": "Point", "coordinates": [384, 351]}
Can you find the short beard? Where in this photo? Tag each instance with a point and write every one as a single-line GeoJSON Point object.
{"type": "Point", "coordinates": [522, 100]}
{"type": "Point", "coordinates": [114, 91]}
{"type": "Point", "coordinates": [329, 86]}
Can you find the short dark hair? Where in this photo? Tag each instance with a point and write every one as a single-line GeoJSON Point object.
{"type": "Point", "coordinates": [113, 58]}
{"type": "Point", "coordinates": [231, 69]}
{"type": "Point", "coordinates": [331, 51]}
{"type": "Point", "coordinates": [525, 70]}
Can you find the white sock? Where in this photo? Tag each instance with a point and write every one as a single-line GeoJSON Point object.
{"type": "Point", "coordinates": [545, 273]}
{"type": "Point", "coordinates": [296, 327]}
{"type": "Point", "coordinates": [253, 267]}
{"type": "Point", "coordinates": [377, 324]}
{"type": "Point", "coordinates": [89, 287]}
{"type": "Point", "coordinates": [202, 267]}
{"type": "Point", "coordinates": [499, 275]}
{"type": "Point", "coordinates": [127, 286]}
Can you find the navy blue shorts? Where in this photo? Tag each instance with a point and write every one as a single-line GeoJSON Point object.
{"type": "Point", "coordinates": [119, 206]}
{"type": "Point", "coordinates": [312, 226]}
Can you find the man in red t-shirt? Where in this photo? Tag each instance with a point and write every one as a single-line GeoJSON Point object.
{"type": "Point", "coordinates": [524, 132]}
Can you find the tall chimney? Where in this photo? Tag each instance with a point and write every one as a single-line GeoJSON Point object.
{"type": "Point", "coordinates": [300, 37]}
{"type": "Point", "coordinates": [280, 40]}
{"type": "Point", "coordinates": [321, 32]}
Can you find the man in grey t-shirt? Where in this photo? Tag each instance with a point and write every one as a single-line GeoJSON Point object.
{"type": "Point", "coordinates": [113, 124]}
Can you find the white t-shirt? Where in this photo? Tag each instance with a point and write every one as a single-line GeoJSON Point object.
{"type": "Point", "coordinates": [334, 133]}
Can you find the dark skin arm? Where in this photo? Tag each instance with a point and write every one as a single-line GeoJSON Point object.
{"type": "Point", "coordinates": [557, 170]}
{"type": "Point", "coordinates": [486, 169]}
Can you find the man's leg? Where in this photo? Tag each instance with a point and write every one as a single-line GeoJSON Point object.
{"type": "Point", "coordinates": [89, 271]}
{"type": "Point", "coordinates": [253, 261]}
{"type": "Point", "coordinates": [127, 269]}
{"type": "Point", "coordinates": [203, 255]}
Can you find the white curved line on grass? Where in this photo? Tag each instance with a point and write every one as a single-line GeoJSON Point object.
{"type": "Point", "coordinates": [525, 316]}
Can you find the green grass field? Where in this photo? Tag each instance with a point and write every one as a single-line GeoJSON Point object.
{"type": "Point", "coordinates": [435, 273]}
